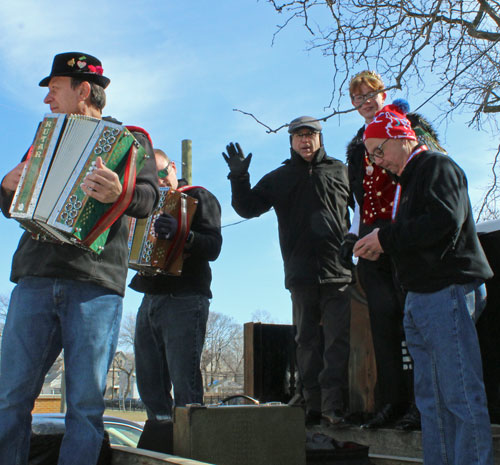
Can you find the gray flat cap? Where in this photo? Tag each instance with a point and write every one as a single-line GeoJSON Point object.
{"type": "Point", "coordinates": [304, 122]}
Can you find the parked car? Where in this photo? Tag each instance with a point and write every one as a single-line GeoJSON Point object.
{"type": "Point", "coordinates": [128, 403]}
{"type": "Point", "coordinates": [121, 432]}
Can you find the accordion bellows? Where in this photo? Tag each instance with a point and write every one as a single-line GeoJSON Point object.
{"type": "Point", "coordinates": [49, 201]}
{"type": "Point", "coordinates": [150, 255]}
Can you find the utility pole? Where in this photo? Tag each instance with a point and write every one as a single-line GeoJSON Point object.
{"type": "Point", "coordinates": [62, 408]}
{"type": "Point", "coordinates": [113, 367]}
{"type": "Point", "coordinates": [187, 153]}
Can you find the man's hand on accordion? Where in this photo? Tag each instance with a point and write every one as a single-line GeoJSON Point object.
{"type": "Point", "coordinates": [102, 184]}
{"type": "Point", "coordinates": [165, 226]}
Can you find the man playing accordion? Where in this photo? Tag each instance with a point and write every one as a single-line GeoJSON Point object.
{"type": "Point", "coordinates": [172, 319]}
{"type": "Point", "coordinates": [68, 297]}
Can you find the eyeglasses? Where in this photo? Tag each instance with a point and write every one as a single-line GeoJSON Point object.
{"type": "Point", "coordinates": [304, 135]}
{"type": "Point", "coordinates": [362, 98]}
{"type": "Point", "coordinates": [378, 152]}
{"type": "Point", "coordinates": [162, 174]}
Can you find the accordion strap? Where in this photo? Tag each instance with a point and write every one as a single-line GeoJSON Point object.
{"type": "Point", "coordinates": [29, 153]}
{"type": "Point", "coordinates": [141, 130]}
{"type": "Point", "coordinates": [177, 245]}
{"type": "Point", "coordinates": [121, 204]}
{"type": "Point", "coordinates": [179, 240]}
{"type": "Point", "coordinates": [188, 188]}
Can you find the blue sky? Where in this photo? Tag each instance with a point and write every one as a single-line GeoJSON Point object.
{"type": "Point", "coordinates": [178, 69]}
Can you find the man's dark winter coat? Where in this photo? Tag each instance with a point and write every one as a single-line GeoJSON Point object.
{"type": "Point", "coordinates": [310, 201]}
{"type": "Point", "coordinates": [433, 241]}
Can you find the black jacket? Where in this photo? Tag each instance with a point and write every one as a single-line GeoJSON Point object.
{"type": "Point", "coordinates": [109, 269]}
{"type": "Point", "coordinates": [433, 241]}
{"type": "Point", "coordinates": [196, 275]}
{"type": "Point", "coordinates": [310, 201]}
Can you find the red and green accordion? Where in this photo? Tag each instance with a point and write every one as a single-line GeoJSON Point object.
{"type": "Point", "coordinates": [49, 201]}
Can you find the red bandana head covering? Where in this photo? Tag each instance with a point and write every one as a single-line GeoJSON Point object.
{"type": "Point", "coordinates": [391, 123]}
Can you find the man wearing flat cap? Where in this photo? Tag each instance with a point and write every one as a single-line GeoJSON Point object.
{"type": "Point", "coordinates": [67, 297]}
{"type": "Point", "coordinates": [309, 194]}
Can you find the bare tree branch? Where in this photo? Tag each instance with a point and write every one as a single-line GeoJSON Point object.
{"type": "Point", "coordinates": [446, 51]}
{"type": "Point", "coordinates": [324, 118]}
{"type": "Point", "coordinates": [407, 40]}
{"type": "Point", "coordinates": [127, 333]}
{"type": "Point", "coordinates": [4, 306]}
{"type": "Point", "coordinates": [125, 363]}
{"type": "Point", "coordinates": [487, 210]}
{"type": "Point", "coordinates": [223, 349]}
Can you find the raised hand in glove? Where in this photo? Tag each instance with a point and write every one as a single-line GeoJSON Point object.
{"type": "Point", "coordinates": [345, 252]}
{"type": "Point", "coordinates": [165, 226]}
{"type": "Point", "coordinates": [236, 160]}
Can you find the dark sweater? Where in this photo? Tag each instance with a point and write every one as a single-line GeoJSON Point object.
{"type": "Point", "coordinates": [433, 241]}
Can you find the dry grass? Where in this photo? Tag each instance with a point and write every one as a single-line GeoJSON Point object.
{"type": "Point", "coordinates": [127, 415]}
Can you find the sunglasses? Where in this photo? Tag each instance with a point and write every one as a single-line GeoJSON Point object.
{"type": "Point", "coordinates": [162, 174]}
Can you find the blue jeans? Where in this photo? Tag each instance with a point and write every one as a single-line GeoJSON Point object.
{"type": "Point", "coordinates": [169, 337]}
{"type": "Point", "coordinates": [449, 389]}
{"type": "Point", "coordinates": [46, 315]}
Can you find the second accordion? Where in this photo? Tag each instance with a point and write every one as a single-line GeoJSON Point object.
{"type": "Point", "coordinates": [150, 255]}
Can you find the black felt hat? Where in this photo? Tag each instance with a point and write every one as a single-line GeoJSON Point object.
{"type": "Point", "coordinates": [78, 65]}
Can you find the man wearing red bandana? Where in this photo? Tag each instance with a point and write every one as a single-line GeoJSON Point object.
{"type": "Point", "coordinates": [441, 265]}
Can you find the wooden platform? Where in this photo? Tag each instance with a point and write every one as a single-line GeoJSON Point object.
{"type": "Point", "coordinates": [128, 456]}
{"type": "Point", "coordinates": [392, 447]}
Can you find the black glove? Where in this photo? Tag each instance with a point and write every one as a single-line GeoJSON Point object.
{"type": "Point", "coordinates": [345, 252]}
{"type": "Point", "coordinates": [235, 159]}
{"type": "Point", "coordinates": [165, 226]}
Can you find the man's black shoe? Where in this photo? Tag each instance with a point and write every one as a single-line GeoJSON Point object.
{"type": "Point", "coordinates": [313, 417]}
{"type": "Point", "coordinates": [388, 414]}
{"type": "Point", "coordinates": [297, 400]}
{"type": "Point", "coordinates": [410, 421]}
{"type": "Point", "coordinates": [334, 418]}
